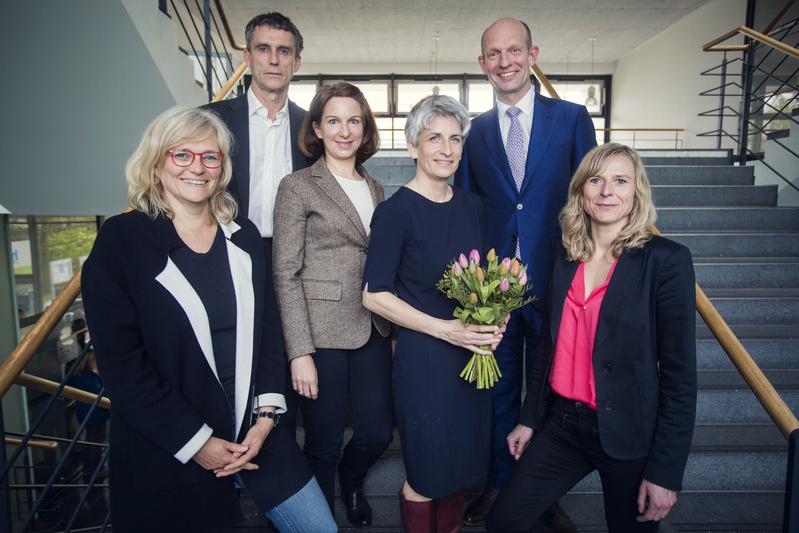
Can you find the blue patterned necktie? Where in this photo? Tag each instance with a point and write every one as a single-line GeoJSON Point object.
{"type": "Point", "coordinates": [517, 157]}
{"type": "Point", "coordinates": [514, 148]}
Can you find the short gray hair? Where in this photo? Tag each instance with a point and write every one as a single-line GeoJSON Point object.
{"type": "Point", "coordinates": [429, 108]}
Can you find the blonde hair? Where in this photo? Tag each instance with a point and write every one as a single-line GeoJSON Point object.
{"type": "Point", "coordinates": [575, 222]}
{"type": "Point", "coordinates": [172, 127]}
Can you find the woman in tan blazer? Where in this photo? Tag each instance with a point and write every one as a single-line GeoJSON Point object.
{"type": "Point", "coordinates": [337, 349]}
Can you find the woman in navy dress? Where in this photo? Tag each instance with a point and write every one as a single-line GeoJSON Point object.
{"type": "Point", "coordinates": [444, 422]}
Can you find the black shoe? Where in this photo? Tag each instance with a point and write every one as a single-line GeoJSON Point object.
{"type": "Point", "coordinates": [559, 521]}
{"type": "Point", "coordinates": [359, 513]}
{"type": "Point", "coordinates": [478, 510]}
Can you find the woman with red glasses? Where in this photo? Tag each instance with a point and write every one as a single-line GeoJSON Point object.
{"type": "Point", "coordinates": [174, 297]}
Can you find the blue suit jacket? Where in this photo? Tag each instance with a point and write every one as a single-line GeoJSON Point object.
{"type": "Point", "coordinates": [562, 134]}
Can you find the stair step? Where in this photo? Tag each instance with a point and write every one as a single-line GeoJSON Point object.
{"type": "Point", "coordinates": [715, 379]}
{"type": "Point", "coordinates": [738, 244]}
{"type": "Point", "coordinates": [753, 274]}
{"type": "Point", "coordinates": [714, 195]}
{"type": "Point", "coordinates": [767, 353]}
{"type": "Point", "coordinates": [757, 310]}
{"type": "Point", "coordinates": [737, 406]}
{"type": "Point", "coordinates": [700, 175]}
{"type": "Point", "coordinates": [710, 219]}
{"type": "Point", "coordinates": [753, 331]}
{"type": "Point", "coordinates": [706, 511]}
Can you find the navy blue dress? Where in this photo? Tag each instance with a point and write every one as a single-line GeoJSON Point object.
{"type": "Point", "coordinates": [444, 422]}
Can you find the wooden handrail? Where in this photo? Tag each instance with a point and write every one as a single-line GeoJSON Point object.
{"type": "Point", "coordinates": [230, 38]}
{"type": "Point", "coordinates": [33, 340]}
{"type": "Point", "coordinates": [231, 82]}
{"type": "Point", "coordinates": [545, 82]}
{"type": "Point", "coordinates": [713, 46]}
{"type": "Point", "coordinates": [778, 16]}
{"type": "Point", "coordinates": [71, 393]}
{"type": "Point", "coordinates": [33, 443]}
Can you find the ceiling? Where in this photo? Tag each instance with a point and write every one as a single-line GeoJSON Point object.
{"type": "Point", "coordinates": [383, 31]}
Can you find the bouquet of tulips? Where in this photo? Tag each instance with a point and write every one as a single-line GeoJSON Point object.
{"type": "Point", "coordinates": [487, 295]}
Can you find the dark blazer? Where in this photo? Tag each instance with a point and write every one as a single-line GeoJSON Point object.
{"type": "Point", "coordinates": [644, 358]}
{"type": "Point", "coordinates": [235, 114]}
{"type": "Point", "coordinates": [561, 136]}
{"type": "Point", "coordinates": [319, 252]}
{"type": "Point", "coordinates": [153, 344]}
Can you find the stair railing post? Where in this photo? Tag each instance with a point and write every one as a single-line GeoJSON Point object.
{"type": "Point", "coordinates": [790, 515]}
{"type": "Point", "coordinates": [5, 495]}
{"type": "Point", "coordinates": [721, 99]}
{"type": "Point", "coordinates": [209, 83]}
{"type": "Point", "coordinates": [746, 85]}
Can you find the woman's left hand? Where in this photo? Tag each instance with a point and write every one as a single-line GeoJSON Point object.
{"type": "Point", "coordinates": [254, 440]}
{"type": "Point", "coordinates": [654, 501]}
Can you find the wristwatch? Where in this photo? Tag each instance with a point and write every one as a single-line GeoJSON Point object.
{"type": "Point", "coordinates": [269, 414]}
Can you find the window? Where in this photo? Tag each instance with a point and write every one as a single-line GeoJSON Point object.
{"type": "Point", "coordinates": [410, 92]}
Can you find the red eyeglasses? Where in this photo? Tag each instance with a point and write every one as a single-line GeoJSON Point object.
{"type": "Point", "coordinates": [184, 158]}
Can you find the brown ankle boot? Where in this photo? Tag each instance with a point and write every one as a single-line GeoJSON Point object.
{"type": "Point", "coordinates": [449, 513]}
{"type": "Point", "coordinates": [417, 517]}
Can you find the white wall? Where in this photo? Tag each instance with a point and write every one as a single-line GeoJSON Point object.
{"type": "Point", "coordinates": [80, 88]}
{"type": "Point", "coordinates": [657, 85]}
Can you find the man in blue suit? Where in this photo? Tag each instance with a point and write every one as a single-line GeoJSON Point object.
{"type": "Point", "coordinates": [519, 157]}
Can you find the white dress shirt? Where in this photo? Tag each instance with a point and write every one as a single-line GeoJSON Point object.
{"type": "Point", "coordinates": [525, 118]}
{"type": "Point", "coordinates": [270, 160]}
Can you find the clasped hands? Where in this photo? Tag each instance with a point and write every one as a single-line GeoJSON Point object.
{"type": "Point", "coordinates": [654, 502]}
{"type": "Point", "coordinates": [226, 458]}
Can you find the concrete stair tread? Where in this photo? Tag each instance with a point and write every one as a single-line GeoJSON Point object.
{"type": "Point", "coordinates": [791, 261]}
{"type": "Point", "coordinates": [789, 293]}
{"type": "Point", "coordinates": [737, 437]}
{"type": "Point", "coordinates": [732, 379]}
{"type": "Point", "coordinates": [733, 511]}
{"type": "Point", "coordinates": [753, 332]}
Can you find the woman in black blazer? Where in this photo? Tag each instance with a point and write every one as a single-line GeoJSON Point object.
{"type": "Point", "coordinates": [174, 298]}
{"type": "Point", "coordinates": [614, 389]}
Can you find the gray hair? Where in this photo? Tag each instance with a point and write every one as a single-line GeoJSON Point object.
{"type": "Point", "coordinates": [429, 108]}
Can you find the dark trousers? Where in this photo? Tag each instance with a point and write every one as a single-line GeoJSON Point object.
{"type": "Point", "coordinates": [564, 451]}
{"type": "Point", "coordinates": [517, 350]}
{"type": "Point", "coordinates": [363, 375]}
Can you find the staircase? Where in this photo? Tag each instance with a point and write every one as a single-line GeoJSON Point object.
{"type": "Point", "coordinates": [746, 256]}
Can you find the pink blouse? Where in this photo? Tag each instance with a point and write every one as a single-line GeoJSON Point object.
{"type": "Point", "coordinates": [572, 374]}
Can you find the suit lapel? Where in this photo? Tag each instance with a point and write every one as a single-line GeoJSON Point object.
{"type": "Point", "coordinates": [621, 287]}
{"type": "Point", "coordinates": [296, 116]}
{"type": "Point", "coordinates": [179, 287]}
{"type": "Point", "coordinates": [240, 127]}
{"type": "Point", "coordinates": [492, 137]}
{"type": "Point", "coordinates": [241, 271]}
{"type": "Point", "coordinates": [333, 190]}
{"type": "Point", "coordinates": [240, 264]}
{"type": "Point", "coordinates": [539, 138]}
{"type": "Point", "coordinates": [562, 276]}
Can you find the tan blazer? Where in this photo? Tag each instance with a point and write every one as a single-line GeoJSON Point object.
{"type": "Point", "coordinates": [319, 252]}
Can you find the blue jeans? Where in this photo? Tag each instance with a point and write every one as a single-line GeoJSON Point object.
{"type": "Point", "coordinates": [306, 511]}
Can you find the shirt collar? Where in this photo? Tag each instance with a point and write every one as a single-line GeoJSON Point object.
{"type": "Point", "coordinates": [254, 106]}
{"type": "Point", "coordinates": [525, 104]}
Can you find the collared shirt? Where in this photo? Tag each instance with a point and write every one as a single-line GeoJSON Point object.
{"type": "Point", "coordinates": [526, 105]}
{"type": "Point", "coordinates": [270, 160]}
{"type": "Point", "coordinates": [572, 374]}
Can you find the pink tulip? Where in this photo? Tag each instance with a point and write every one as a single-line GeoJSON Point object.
{"type": "Point", "coordinates": [523, 279]}
{"type": "Point", "coordinates": [504, 285]}
{"type": "Point", "coordinates": [504, 266]}
{"type": "Point", "coordinates": [456, 270]}
{"type": "Point", "coordinates": [463, 261]}
{"type": "Point", "coordinates": [474, 255]}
